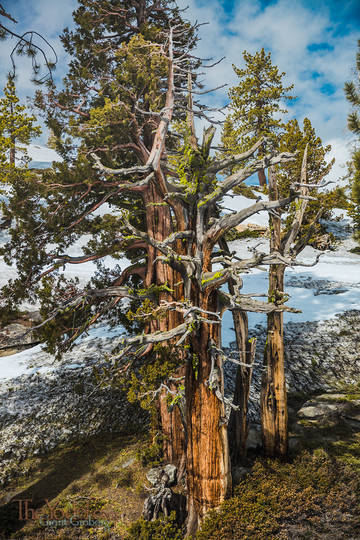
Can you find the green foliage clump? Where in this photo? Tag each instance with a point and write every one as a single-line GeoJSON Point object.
{"type": "Point", "coordinates": [289, 500]}
{"type": "Point", "coordinates": [355, 192]}
{"type": "Point", "coordinates": [295, 139]}
{"type": "Point", "coordinates": [246, 191]}
{"type": "Point", "coordinates": [191, 161]}
{"type": "Point", "coordinates": [352, 94]}
{"type": "Point", "coordinates": [151, 453]}
{"type": "Point", "coordinates": [164, 528]}
{"type": "Point", "coordinates": [155, 368]}
{"type": "Point", "coordinates": [234, 234]}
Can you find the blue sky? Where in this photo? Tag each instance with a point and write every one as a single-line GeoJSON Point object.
{"type": "Point", "coordinates": [313, 42]}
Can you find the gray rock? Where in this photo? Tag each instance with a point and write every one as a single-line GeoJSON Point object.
{"type": "Point", "coordinates": [238, 473]}
{"type": "Point", "coordinates": [254, 440]}
{"type": "Point", "coordinates": [314, 410]}
{"type": "Point", "coordinates": [59, 404]}
{"type": "Point", "coordinates": [318, 355]}
{"type": "Point", "coordinates": [294, 443]}
{"type": "Point", "coordinates": [13, 335]}
{"type": "Point", "coordinates": [155, 475]}
{"type": "Point", "coordinates": [128, 463]}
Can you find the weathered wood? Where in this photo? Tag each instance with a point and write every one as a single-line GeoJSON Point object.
{"type": "Point", "coordinates": [238, 425]}
{"type": "Point", "coordinates": [274, 418]}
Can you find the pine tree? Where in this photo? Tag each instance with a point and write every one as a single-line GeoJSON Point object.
{"type": "Point", "coordinates": [16, 127]}
{"type": "Point", "coordinates": [355, 191]}
{"type": "Point", "coordinates": [255, 105]}
{"type": "Point", "coordinates": [301, 227]}
{"type": "Point", "coordinates": [352, 93]}
{"type": "Point", "coordinates": [294, 139]}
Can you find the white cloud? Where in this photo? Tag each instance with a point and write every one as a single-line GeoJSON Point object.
{"type": "Point", "coordinates": [286, 29]}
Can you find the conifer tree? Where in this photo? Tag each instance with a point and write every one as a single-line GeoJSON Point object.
{"type": "Point", "coordinates": [99, 110]}
{"type": "Point", "coordinates": [318, 168]}
{"type": "Point", "coordinates": [16, 126]}
{"type": "Point", "coordinates": [171, 237]}
{"type": "Point", "coordinates": [352, 93]}
{"type": "Point", "coordinates": [255, 105]}
{"type": "Point", "coordinates": [288, 239]}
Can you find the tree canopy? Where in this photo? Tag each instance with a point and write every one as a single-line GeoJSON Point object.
{"type": "Point", "coordinates": [255, 104]}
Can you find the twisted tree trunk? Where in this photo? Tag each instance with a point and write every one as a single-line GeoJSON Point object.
{"type": "Point", "coordinates": [208, 460]}
{"type": "Point", "coordinates": [159, 226]}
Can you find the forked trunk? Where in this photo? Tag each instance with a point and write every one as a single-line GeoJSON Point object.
{"type": "Point", "coordinates": [208, 460]}
{"type": "Point", "coordinates": [274, 418]}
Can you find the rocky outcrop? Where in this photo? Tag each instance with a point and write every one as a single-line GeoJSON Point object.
{"type": "Point", "coordinates": [56, 402]}
{"type": "Point", "coordinates": [318, 355]}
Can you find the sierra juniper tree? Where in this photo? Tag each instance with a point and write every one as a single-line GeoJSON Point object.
{"type": "Point", "coordinates": [180, 243]}
{"type": "Point", "coordinates": [115, 79]}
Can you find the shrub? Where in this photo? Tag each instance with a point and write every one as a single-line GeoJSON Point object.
{"type": "Point", "coordinates": [313, 495]}
{"type": "Point", "coordinates": [164, 528]}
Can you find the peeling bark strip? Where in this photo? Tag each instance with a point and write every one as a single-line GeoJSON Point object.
{"type": "Point", "coordinates": [274, 418]}
{"type": "Point", "coordinates": [238, 424]}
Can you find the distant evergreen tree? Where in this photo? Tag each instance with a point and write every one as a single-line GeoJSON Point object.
{"type": "Point", "coordinates": [302, 226]}
{"type": "Point", "coordinates": [294, 139]}
{"type": "Point", "coordinates": [352, 93]}
{"type": "Point", "coordinates": [355, 192]}
{"type": "Point", "coordinates": [16, 127]}
{"type": "Point", "coordinates": [255, 105]}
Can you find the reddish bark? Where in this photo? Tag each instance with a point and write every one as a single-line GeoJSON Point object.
{"type": "Point", "coordinates": [159, 226]}
{"type": "Point", "coordinates": [208, 460]}
{"type": "Point", "coordinates": [274, 418]}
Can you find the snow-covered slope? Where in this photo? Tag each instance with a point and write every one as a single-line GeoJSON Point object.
{"type": "Point", "coordinates": [321, 291]}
